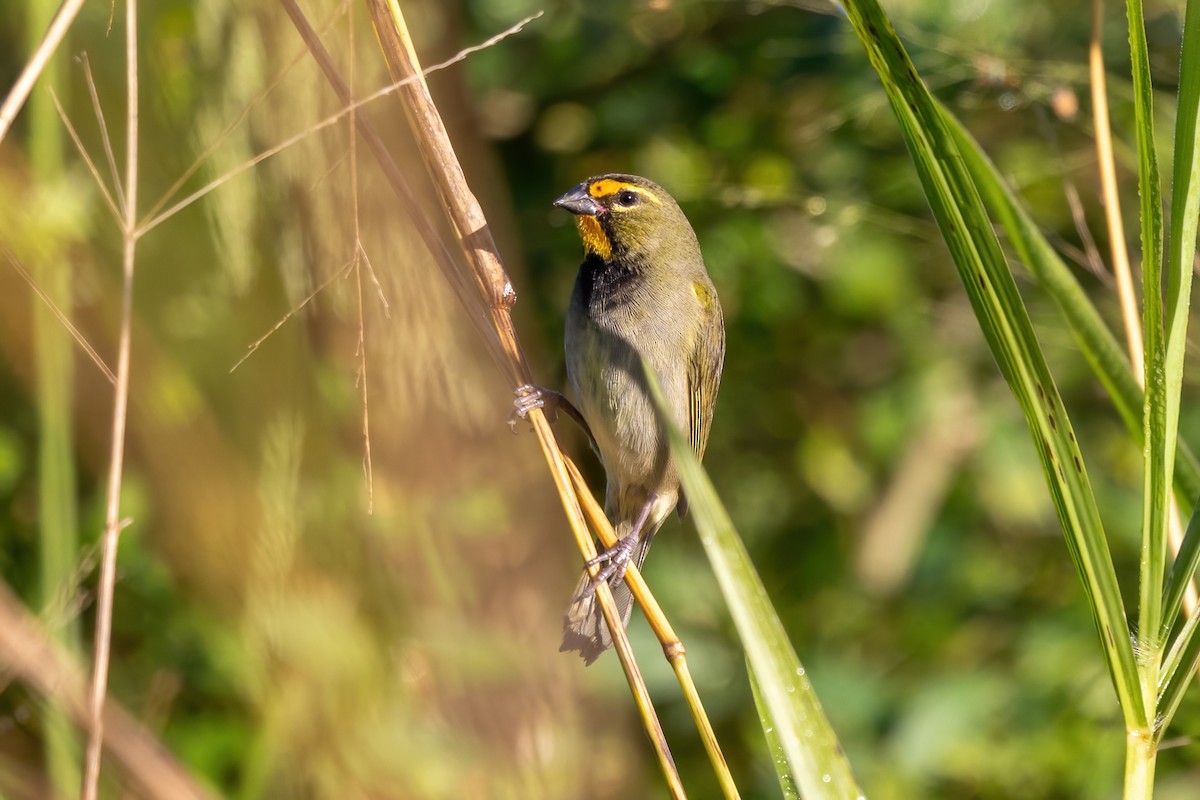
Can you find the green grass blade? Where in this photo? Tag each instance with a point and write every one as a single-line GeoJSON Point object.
{"type": "Point", "coordinates": [1158, 443]}
{"type": "Point", "coordinates": [1099, 346]}
{"type": "Point", "coordinates": [1180, 575]}
{"type": "Point", "coordinates": [1185, 197]}
{"type": "Point", "coordinates": [48, 252]}
{"type": "Point", "coordinates": [1185, 208]}
{"type": "Point", "coordinates": [787, 781]}
{"type": "Point", "coordinates": [993, 293]}
{"type": "Point", "coordinates": [814, 757]}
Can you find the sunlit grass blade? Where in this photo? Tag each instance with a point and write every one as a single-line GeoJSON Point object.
{"type": "Point", "coordinates": [804, 734]}
{"type": "Point", "coordinates": [1185, 201]}
{"type": "Point", "coordinates": [1185, 207]}
{"type": "Point", "coordinates": [1159, 442]}
{"type": "Point", "coordinates": [787, 781]}
{"type": "Point", "coordinates": [1005, 322]}
{"type": "Point", "coordinates": [1097, 342]}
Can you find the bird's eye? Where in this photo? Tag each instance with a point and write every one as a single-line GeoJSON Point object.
{"type": "Point", "coordinates": [627, 198]}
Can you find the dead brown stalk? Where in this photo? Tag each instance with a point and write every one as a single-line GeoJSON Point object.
{"type": "Point", "coordinates": [112, 527]}
{"type": "Point", "coordinates": [26, 652]}
{"type": "Point", "coordinates": [33, 68]}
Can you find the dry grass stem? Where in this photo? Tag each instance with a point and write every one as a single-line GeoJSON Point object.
{"type": "Point", "coordinates": [337, 162]}
{"type": "Point", "coordinates": [87, 159]}
{"type": "Point", "coordinates": [342, 272]}
{"type": "Point", "coordinates": [105, 141]}
{"type": "Point", "coordinates": [27, 653]}
{"type": "Point", "coordinates": [60, 316]}
{"type": "Point", "coordinates": [359, 252]}
{"type": "Point", "coordinates": [1112, 203]}
{"type": "Point", "coordinates": [152, 221]}
{"type": "Point", "coordinates": [112, 528]}
{"type": "Point", "coordinates": [1090, 257]}
{"type": "Point", "coordinates": [37, 62]}
{"type": "Point", "coordinates": [387, 307]}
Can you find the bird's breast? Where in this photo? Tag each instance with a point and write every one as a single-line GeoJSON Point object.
{"type": "Point", "coordinates": [608, 338]}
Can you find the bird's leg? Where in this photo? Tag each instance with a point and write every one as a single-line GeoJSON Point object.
{"type": "Point", "coordinates": [617, 557]}
{"type": "Point", "coordinates": [551, 402]}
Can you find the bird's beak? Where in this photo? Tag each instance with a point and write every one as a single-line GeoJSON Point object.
{"type": "Point", "coordinates": [578, 201]}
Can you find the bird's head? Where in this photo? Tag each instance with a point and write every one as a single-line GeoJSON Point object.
{"type": "Point", "coordinates": [625, 217]}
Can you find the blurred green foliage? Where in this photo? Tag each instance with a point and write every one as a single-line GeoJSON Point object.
{"type": "Point", "coordinates": [286, 644]}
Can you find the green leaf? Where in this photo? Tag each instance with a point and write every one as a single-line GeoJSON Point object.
{"type": "Point", "coordinates": [1180, 666]}
{"type": "Point", "coordinates": [1099, 346]}
{"type": "Point", "coordinates": [801, 730]}
{"type": "Point", "coordinates": [993, 293]}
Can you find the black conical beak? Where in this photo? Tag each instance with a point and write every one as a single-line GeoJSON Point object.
{"type": "Point", "coordinates": [578, 201]}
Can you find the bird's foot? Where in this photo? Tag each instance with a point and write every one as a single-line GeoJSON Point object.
{"type": "Point", "coordinates": [530, 397]}
{"type": "Point", "coordinates": [615, 559]}
{"type": "Point", "coordinates": [551, 402]}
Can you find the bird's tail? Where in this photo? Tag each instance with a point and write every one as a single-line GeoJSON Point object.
{"type": "Point", "coordinates": [584, 628]}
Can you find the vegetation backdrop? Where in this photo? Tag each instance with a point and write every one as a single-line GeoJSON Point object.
{"type": "Point", "coordinates": [290, 630]}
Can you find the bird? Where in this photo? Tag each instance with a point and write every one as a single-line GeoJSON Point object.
{"type": "Point", "coordinates": [642, 295]}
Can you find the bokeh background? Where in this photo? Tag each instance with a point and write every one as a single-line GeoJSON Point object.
{"type": "Point", "coordinates": [284, 642]}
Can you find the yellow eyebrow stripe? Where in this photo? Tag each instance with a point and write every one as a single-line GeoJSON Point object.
{"type": "Point", "coordinates": [607, 186]}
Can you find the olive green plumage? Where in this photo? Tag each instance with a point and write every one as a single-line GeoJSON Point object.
{"type": "Point", "coordinates": [642, 292]}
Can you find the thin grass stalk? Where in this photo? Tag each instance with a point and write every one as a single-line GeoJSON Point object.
{"type": "Point", "coordinates": [1108, 185]}
{"type": "Point", "coordinates": [58, 536]}
{"type": "Point", "coordinates": [493, 285]}
{"type": "Point", "coordinates": [1157, 460]}
{"type": "Point", "coordinates": [112, 527]}
{"type": "Point", "coordinates": [1185, 200]}
{"type": "Point", "coordinates": [59, 314]}
{"type": "Point", "coordinates": [1159, 455]}
{"type": "Point", "coordinates": [352, 120]}
{"type": "Point", "coordinates": [1185, 210]}
{"type": "Point", "coordinates": [37, 62]}
{"type": "Point", "coordinates": [673, 648]}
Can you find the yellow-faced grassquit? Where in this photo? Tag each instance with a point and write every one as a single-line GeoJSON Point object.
{"type": "Point", "coordinates": [642, 293]}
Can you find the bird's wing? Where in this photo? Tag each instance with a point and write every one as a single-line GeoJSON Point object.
{"type": "Point", "coordinates": [704, 369]}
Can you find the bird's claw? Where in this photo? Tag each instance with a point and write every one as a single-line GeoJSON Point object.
{"type": "Point", "coordinates": [615, 559]}
{"type": "Point", "coordinates": [529, 397]}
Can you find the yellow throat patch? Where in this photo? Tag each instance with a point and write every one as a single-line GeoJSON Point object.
{"type": "Point", "coordinates": [595, 241]}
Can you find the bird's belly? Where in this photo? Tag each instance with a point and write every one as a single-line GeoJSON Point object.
{"type": "Point", "coordinates": [606, 376]}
